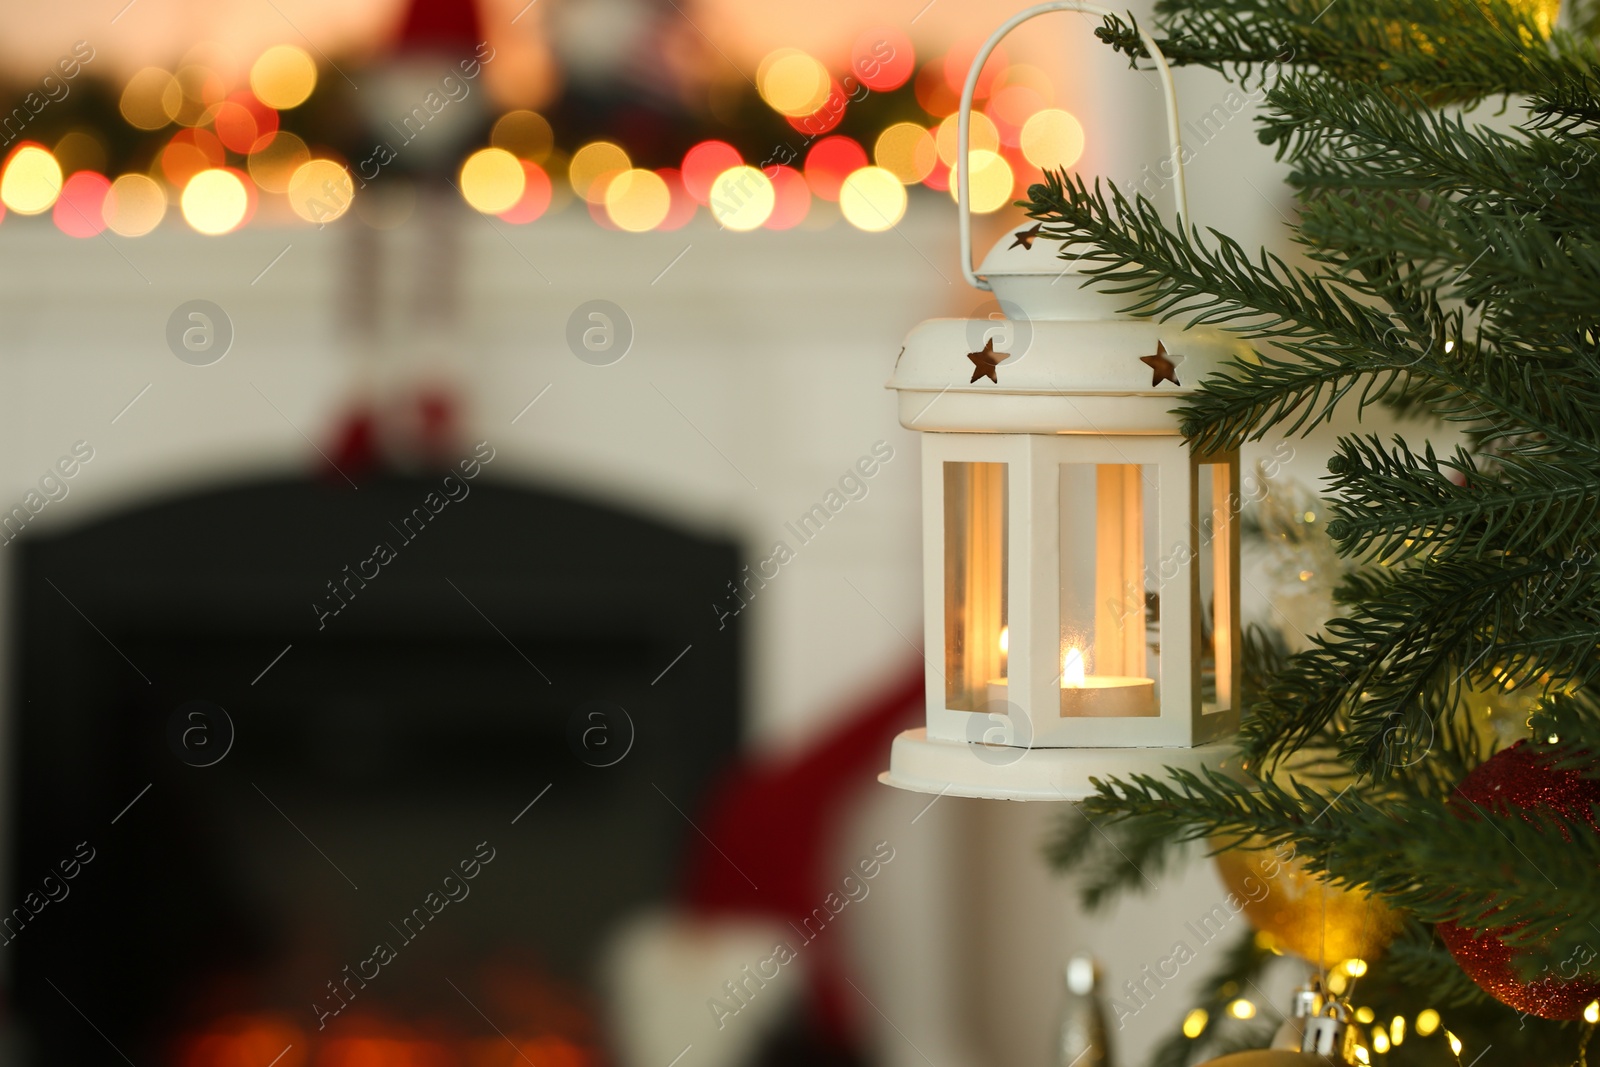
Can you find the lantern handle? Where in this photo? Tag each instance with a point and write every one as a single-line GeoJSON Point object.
{"type": "Point", "coordinates": [964, 118]}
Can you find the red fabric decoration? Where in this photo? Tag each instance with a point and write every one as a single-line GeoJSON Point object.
{"type": "Point", "coordinates": [774, 822]}
{"type": "Point", "coordinates": [1523, 779]}
{"type": "Point", "coordinates": [440, 26]}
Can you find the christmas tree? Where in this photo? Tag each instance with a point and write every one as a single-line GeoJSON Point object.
{"type": "Point", "coordinates": [1451, 274]}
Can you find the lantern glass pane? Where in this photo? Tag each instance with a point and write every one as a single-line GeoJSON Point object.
{"type": "Point", "coordinates": [1213, 562]}
{"type": "Point", "coordinates": [1110, 643]}
{"type": "Point", "coordinates": [975, 634]}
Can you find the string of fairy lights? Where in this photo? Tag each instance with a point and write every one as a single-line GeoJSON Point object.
{"type": "Point", "coordinates": [1375, 1037]}
{"type": "Point", "coordinates": [224, 160]}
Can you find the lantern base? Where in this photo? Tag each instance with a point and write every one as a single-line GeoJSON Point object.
{"type": "Point", "coordinates": [998, 772]}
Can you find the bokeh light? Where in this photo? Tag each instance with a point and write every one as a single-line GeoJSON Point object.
{"type": "Point", "coordinates": [535, 198]}
{"type": "Point", "coordinates": [637, 200]}
{"type": "Point", "coordinates": [32, 180]}
{"type": "Point", "coordinates": [793, 83]}
{"type": "Point", "coordinates": [702, 164]}
{"type": "Point", "coordinates": [827, 115]}
{"type": "Point", "coordinates": [320, 190]}
{"type": "Point", "coordinates": [907, 151]}
{"type": "Point", "coordinates": [274, 159]}
{"type": "Point", "coordinates": [215, 201]}
{"type": "Point", "coordinates": [80, 209]}
{"type": "Point", "coordinates": [1052, 139]}
{"type": "Point", "coordinates": [791, 198]}
{"type": "Point", "coordinates": [1028, 75]}
{"type": "Point", "coordinates": [283, 76]}
{"type": "Point", "coordinates": [525, 134]}
{"type": "Point", "coordinates": [593, 166]}
{"type": "Point", "coordinates": [829, 162]}
{"type": "Point", "coordinates": [683, 205]}
{"type": "Point", "coordinates": [742, 198]}
{"type": "Point", "coordinates": [190, 152]}
{"type": "Point", "coordinates": [958, 61]}
{"type": "Point", "coordinates": [492, 180]}
{"type": "Point", "coordinates": [982, 134]}
{"type": "Point", "coordinates": [203, 89]}
{"type": "Point", "coordinates": [134, 205]}
{"type": "Point", "coordinates": [872, 199]}
{"type": "Point", "coordinates": [991, 179]}
{"type": "Point", "coordinates": [1010, 107]}
{"type": "Point", "coordinates": [151, 99]}
{"type": "Point", "coordinates": [241, 121]}
{"type": "Point", "coordinates": [882, 59]}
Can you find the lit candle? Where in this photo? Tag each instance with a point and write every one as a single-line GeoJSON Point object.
{"type": "Point", "coordinates": [1101, 695]}
{"type": "Point", "coordinates": [1072, 668]}
{"type": "Point", "coordinates": [1083, 695]}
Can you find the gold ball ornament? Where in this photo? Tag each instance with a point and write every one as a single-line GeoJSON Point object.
{"type": "Point", "coordinates": [1269, 1057]}
{"type": "Point", "coordinates": [1302, 913]}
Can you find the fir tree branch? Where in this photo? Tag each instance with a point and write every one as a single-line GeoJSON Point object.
{"type": "Point", "coordinates": [1340, 346]}
{"type": "Point", "coordinates": [1396, 663]}
{"type": "Point", "coordinates": [1110, 859]}
{"type": "Point", "coordinates": [1417, 958]}
{"type": "Point", "coordinates": [1496, 47]}
{"type": "Point", "coordinates": [1393, 505]}
{"type": "Point", "coordinates": [1480, 865]}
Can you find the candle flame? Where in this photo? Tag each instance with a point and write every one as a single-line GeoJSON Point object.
{"type": "Point", "coordinates": [1072, 667]}
{"type": "Point", "coordinates": [1005, 639]}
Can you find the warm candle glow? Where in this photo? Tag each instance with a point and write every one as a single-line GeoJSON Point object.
{"type": "Point", "coordinates": [1072, 668]}
{"type": "Point", "coordinates": [1005, 639]}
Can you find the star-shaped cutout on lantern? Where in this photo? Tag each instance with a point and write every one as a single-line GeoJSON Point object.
{"type": "Point", "coordinates": [1162, 369]}
{"type": "Point", "coordinates": [984, 363]}
{"type": "Point", "coordinates": [1025, 237]}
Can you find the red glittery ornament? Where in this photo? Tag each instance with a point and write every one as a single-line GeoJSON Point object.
{"type": "Point", "coordinates": [1525, 780]}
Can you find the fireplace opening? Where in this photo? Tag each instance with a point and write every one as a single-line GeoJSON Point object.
{"type": "Point", "coordinates": [344, 809]}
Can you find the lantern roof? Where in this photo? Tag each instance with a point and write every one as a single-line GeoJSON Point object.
{"type": "Point", "coordinates": [1024, 375]}
{"type": "Point", "coordinates": [1025, 269]}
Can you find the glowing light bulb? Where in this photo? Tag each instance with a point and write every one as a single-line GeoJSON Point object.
{"type": "Point", "coordinates": [1380, 1041]}
{"type": "Point", "coordinates": [1005, 639]}
{"type": "Point", "coordinates": [1427, 1022]}
{"type": "Point", "coordinates": [1455, 1043]}
{"type": "Point", "coordinates": [1355, 968]}
{"type": "Point", "coordinates": [1591, 1014]}
{"type": "Point", "coordinates": [1072, 671]}
{"type": "Point", "coordinates": [1194, 1024]}
{"type": "Point", "coordinates": [1242, 1009]}
{"type": "Point", "coordinates": [1397, 1029]}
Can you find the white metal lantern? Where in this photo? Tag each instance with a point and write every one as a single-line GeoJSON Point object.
{"type": "Point", "coordinates": [1081, 560]}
